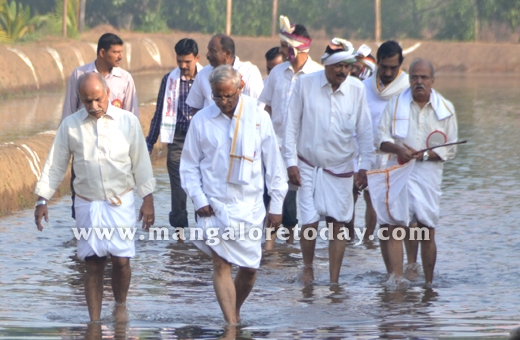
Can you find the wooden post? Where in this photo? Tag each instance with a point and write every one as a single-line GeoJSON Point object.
{"type": "Point", "coordinates": [64, 19]}
{"type": "Point", "coordinates": [274, 18]}
{"type": "Point", "coordinates": [82, 8]}
{"type": "Point", "coordinates": [228, 16]}
{"type": "Point", "coordinates": [378, 20]}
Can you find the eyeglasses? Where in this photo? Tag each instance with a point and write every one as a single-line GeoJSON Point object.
{"type": "Point", "coordinates": [227, 97]}
{"type": "Point", "coordinates": [423, 78]}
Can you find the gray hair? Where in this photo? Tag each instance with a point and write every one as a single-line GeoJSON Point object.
{"type": "Point", "coordinates": [223, 73]}
{"type": "Point", "coordinates": [95, 75]}
{"type": "Point", "coordinates": [421, 60]}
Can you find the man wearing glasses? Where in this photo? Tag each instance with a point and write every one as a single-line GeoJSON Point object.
{"type": "Point", "coordinates": [227, 148]}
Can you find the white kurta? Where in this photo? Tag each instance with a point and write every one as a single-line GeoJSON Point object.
{"type": "Point", "coordinates": [278, 89]}
{"type": "Point", "coordinates": [321, 126]}
{"type": "Point", "coordinates": [377, 101]}
{"type": "Point", "coordinates": [204, 169]}
{"type": "Point", "coordinates": [200, 92]}
{"type": "Point", "coordinates": [424, 183]}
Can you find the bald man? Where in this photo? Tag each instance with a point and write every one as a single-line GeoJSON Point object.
{"type": "Point", "coordinates": [110, 160]}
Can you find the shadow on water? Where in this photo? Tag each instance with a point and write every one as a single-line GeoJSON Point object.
{"type": "Point", "coordinates": [172, 297]}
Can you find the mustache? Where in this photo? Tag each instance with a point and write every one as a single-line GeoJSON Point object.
{"type": "Point", "coordinates": [419, 86]}
{"type": "Point", "coordinates": [341, 74]}
{"type": "Point", "coordinates": [95, 111]}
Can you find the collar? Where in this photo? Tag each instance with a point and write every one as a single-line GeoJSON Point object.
{"type": "Point", "coordinates": [237, 63]}
{"type": "Point", "coordinates": [324, 82]}
{"type": "Point", "coordinates": [306, 66]}
{"type": "Point", "coordinates": [116, 71]}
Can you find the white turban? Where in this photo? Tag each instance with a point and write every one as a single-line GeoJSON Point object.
{"type": "Point", "coordinates": [342, 51]}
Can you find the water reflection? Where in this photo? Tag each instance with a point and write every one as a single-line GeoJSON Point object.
{"type": "Point", "coordinates": [171, 295]}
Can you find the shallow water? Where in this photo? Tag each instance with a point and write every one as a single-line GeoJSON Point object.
{"type": "Point", "coordinates": [475, 291]}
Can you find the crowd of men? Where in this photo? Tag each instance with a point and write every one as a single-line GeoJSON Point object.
{"type": "Point", "coordinates": [247, 151]}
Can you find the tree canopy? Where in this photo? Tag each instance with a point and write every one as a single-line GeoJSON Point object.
{"type": "Point", "coordinates": [420, 19]}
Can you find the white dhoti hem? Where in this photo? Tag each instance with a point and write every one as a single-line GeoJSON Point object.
{"type": "Point", "coordinates": [231, 238]}
{"type": "Point", "coordinates": [106, 217]}
{"type": "Point", "coordinates": [325, 195]}
{"type": "Point", "coordinates": [424, 193]}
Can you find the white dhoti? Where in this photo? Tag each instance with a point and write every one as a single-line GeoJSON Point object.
{"type": "Point", "coordinates": [233, 238]}
{"type": "Point", "coordinates": [424, 193]}
{"type": "Point", "coordinates": [389, 193]}
{"type": "Point", "coordinates": [326, 192]}
{"type": "Point", "coordinates": [402, 194]}
{"type": "Point", "coordinates": [108, 218]}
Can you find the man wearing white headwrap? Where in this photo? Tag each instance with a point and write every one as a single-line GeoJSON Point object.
{"type": "Point", "coordinates": [277, 91]}
{"type": "Point", "coordinates": [388, 81]}
{"type": "Point", "coordinates": [406, 125]}
{"type": "Point", "coordinates": [327, 109]}
{"type": "Point", "coordinates": [365, 63]}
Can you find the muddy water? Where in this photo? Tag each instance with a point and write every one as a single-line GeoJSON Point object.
{"type": "Point", "coordinates": [475, 292]}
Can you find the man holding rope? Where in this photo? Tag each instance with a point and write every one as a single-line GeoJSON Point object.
{"type": "Point", "coordinates": [412, 121]}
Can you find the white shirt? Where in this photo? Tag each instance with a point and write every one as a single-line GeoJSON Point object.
{"type": "Point", "coordinates": [119, 81]}
{"type": "Point", "coordinates": [278, 89]}
{"type": "Point", "coordinates": [322, 124]}
{"type": "Point", "coordinates": [200, 93]}
{"type": "Point", "coordinates": [422, 122]}
{"type": "Point", "coordinates": [205, 163]}
{"type": "Point", "coordinates": [110, 156]}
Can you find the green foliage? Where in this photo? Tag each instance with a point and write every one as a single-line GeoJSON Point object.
{"type": "Point", "coordinates": [353, 19]}
{"type": "Point", "coordinates": [55, 22]}
{"type": "Point", "coordinates": [15, 20]}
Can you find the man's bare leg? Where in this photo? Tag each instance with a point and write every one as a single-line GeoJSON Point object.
{"type": "Point", "coordinates": [412, 246]}
{"type": "Point", "coordinates": [336, 250]}
{"type": "Point", "coordinates": [308, 247]}
{"type": "Point", "coordinates": [370, 216]}
{"type": "Point", "coordinates": [270, 235]}
{"type": "Point", "coordinates": [392, 251]}
{"type": "Point", "coordinates": [121, 276]}
{"type": "Point", "coordinates": [244, 282]}
{"type": "Point", "coordinates": [412, 249]}
{"type": "Point", "coordinates": [350, 225]}
{"type": "Point", "coordinates": [94, 285]}
{"type": "Point", "coordinates": [429, 255]}
{"type": "Point", "coordinates": [224, 288]}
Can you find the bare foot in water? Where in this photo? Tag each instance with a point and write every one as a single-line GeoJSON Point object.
{"type": "Point", "coordinates": [120, 313]}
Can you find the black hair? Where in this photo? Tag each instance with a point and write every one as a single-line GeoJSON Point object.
{"type": "Point", "coordinates": [107, 40]}
{"type": "Point", "coordinates": [226, 43]}
{"type": "Point", "coordinates": [301, 31]}
{"type": "Point", "coordinates": [187, 46]}
{"type": "Point", "coordinates": [273, 53]}
{"type": "Point", "coordinates": [388, 49]}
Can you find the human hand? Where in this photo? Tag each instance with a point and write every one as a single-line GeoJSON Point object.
{"type": "Point", "coordinates": [294, 175]}
{"type": "Point", "coordinates": [147, 212]}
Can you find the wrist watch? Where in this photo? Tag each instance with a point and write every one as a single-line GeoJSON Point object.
{"type": "Point", "coordinates": [40, 202]}
{"type": "Point", "coordinates": [425, 156]}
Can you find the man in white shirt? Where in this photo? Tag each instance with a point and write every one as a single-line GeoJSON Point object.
{"type": "Point", "coordinates": [273, 57]}
{"type": "Point", "coordinates": [278, 89]}
{"type": "Point", "coordinates": [227, 148]}
{"type": "Point", "coordinates": [388, 81]}
{"type": "Point", "coordinates": [221, 51]}
{"type": "Point", "coordinates": [110, 159]}
{"type": "Point", "coordinates": [407, 124]}
{"type": "Point", "coordinates": [120, 82]}
{"type": "Point", "coordinates": [327, 111]}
